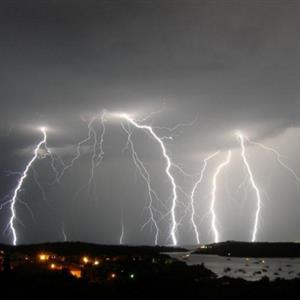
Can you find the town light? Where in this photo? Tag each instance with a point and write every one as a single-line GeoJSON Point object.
{"type": "Point", "coordinates": [85, 259]}
{"type": "Point", "coordinates": [43, 257]}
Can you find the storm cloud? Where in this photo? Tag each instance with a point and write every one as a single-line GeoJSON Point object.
{"type": "Point", "coordinates": [226, 65]}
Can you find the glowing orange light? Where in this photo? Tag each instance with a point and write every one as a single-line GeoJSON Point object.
{"type": "Point", "coordinates": [43, 257]}
{"type": "Point", "coordinates": [76, 273]}
{"type": "Point", "coordinates": [85, 259]}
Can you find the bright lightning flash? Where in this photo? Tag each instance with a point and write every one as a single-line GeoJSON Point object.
{"type": "Point", "coordinates": [169, 165]}
{"type": "Point", "coordinates": [146, 176]}
{"type": "Point", "coordinates": [198, 182]}
{"type": "Point", "coordinates": [253, 183]}
{"type": "Point", "coordinates": [14, 198]}
{"type": "Point", "coordinates": [213, 197]}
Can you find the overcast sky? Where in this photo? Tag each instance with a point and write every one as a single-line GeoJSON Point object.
{"type": "Point", "coordinates": [221, 66]}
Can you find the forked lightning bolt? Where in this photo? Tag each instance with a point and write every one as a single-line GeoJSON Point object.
{"type": "Point", "coordinates": [150, 130]}
{"type": "Point", "coordinates": [20, 184]}
{"type": "Point", "coordinates": [278, 157]}
{"type": "Point", "coordinates": [198, 182]}
{"type": "Point", "coordinates": [253, 183]}
{"type": "Point", "coordinates": [97, 147]}
{"type": "Point", "coordinates": [78, 149]}
{"type": "Point", "coordinates": [213, 197]}
{"type": "Point", "coordinates": [145, 175]}
{"type": "Point", "coordinates": [97, 150]}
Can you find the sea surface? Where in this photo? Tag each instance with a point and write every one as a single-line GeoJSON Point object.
{"type": "Point", "coordinates": [247, 268]}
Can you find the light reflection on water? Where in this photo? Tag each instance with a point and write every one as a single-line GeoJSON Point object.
{"type": "Point", "coordinates": [246, 268]}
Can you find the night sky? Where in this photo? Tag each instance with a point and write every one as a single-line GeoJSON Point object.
{"type": "Point", "coordinates": [219, 66]}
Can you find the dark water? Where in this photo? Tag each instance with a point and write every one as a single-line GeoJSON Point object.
{"type": "Point", "coordinates": [246, 268]}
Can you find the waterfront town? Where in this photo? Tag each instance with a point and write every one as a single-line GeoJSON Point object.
{"type": "Point", "coordinates": [84, 271]}
{"type": "Point", "coordinates": [99, 265]}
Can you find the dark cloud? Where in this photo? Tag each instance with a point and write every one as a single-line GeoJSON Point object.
{"type": "Point", "coordinates": [230, 64]}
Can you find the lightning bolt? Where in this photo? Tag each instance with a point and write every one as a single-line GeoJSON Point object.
{"type": "Point", "coordinates": [121, 241]}
{"type": "Point", "coordinates": [278, 157]}
{"type": "Point", "coordinates": [63, 231]}
{"type": "Point", "coordinates": [18, 188]}
{"type": "Point", "coordinates": [145, 175]}
{"type": "Point", "coordinates": [39, 186]}
{"type": "Point", "coordinates": [91, 134]}
{"type": "Point", "coordinates": [253, 183]}
{"type": "Point", "coordinates": [97, 151]}
{"type": "Point", "coordinates": [169, 165]}
{"type": "Point", "coordinates": [213, 197]}
{"type": "Point", "coordinates": [196, 185]}
{"type": "Point", "coordinates": [55, 159]}
{"type": "Point", "coordinates": [100, 156]}
{"type": "Point", "coordinates": [97, 147]}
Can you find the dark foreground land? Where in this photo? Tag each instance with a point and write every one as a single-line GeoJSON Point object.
{"type": "Point", "coordinates": [246, 249]}
{"type": "Point", "coordinates": [166, 285]}
{"type": "Point", "coordinates": [54, 272]}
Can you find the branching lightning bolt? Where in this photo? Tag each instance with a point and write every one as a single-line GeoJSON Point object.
{"type": "Point", "coordinates": [169, 164]}
{"type": "Point", "coordinates": [101, 151]}
{"type": "Point", "coordinates": [97, 150]}
{"type": "Point", "coordinates": [278, 157]}
{"type": "Point", "coordinates": [20, 184]}
{"type": "Point", "coordinates": [97, 158]}
{"type": "Point", "coordinates": [213, 197]}
{"type": "Point", "coordinates": [253, 183]}
{"type": "Point", "coordinates": [198, 182]}
{"type": "Point", "coordinates": [145, 175]}
{"type": "Point", "coordinates": [78, 151]}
